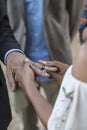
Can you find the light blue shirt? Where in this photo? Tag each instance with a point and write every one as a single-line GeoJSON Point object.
{"type": "Point", "coordinates": [35, 47]}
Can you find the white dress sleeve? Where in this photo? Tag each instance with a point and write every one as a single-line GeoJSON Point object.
{"type": "Point", "coordinates": [70, 109]}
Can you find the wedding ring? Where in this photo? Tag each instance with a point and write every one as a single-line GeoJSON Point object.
{"type": "Point", "coordinates": [43, 67]}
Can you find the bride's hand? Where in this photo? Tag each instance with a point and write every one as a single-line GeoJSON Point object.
{"type": "Point", "coordinates": [57, 73]}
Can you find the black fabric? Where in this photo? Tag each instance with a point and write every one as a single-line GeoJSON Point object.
{"type": "Point", "coordinates": [5, 112]}
{"type": "Point", "coordinates": [7, 40]}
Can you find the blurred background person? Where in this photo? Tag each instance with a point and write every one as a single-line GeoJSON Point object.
{"type": "Point", "coordinates": [44, 30]}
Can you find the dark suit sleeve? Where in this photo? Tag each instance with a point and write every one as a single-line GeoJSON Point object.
{"type": "Point", "coordinates": [5, 111]}
{"type": "Point", "coordinates": [7, 39]}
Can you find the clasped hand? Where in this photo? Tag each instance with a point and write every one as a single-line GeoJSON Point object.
{"type": "Point", "coordinates": [26, 76]}
{"type": "Point", "coordinates": [25, 71]}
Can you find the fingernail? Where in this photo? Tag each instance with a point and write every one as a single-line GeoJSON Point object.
{"type": "Point", "coordinates": [43, 61]}
{"type": "Point", "coordinates": [46, 74]}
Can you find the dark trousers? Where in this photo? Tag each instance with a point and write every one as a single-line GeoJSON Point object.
{"type": "Point", "coordinates": [5, 112]}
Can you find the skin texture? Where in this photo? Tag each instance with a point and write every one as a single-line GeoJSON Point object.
{"type": "Point", "coordinates": [56, 74]}
{"type": "Point", "coordinates": [29, 84]}
{"type": "Point", "coordinates": [55, 69]}
{"type": "Point", "coordinates": [79, 70]}
{"type": "Point", "coordinates": [84, 34]}
{"type": "Point", "coordinates": [16, 60]}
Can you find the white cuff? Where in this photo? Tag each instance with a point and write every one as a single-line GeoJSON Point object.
{"type": "Point", "coordinates": [12, 50]}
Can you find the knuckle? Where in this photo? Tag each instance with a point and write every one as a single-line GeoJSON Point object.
{"type": "Point", "coordinates": [55, 61]}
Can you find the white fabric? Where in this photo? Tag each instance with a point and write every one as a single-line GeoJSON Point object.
{"type": "Point", "coordinates": [70, 110]}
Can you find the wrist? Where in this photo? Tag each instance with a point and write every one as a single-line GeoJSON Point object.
{"type": "Point", "coordinates": [11, 51]}
{"type": "Point", "coordinates": [30, 90]}
{"type": "Point", "coordinates": [29, 86]}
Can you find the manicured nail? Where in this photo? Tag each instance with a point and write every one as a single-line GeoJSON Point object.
{"type": "Point", "coordinates": [41, 61]}
{"type": "Point", "coordinates": [46, 74]}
